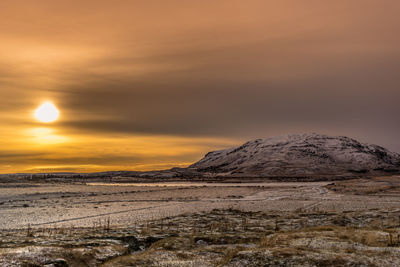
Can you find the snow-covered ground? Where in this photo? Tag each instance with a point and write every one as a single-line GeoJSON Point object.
{"type": "Point", "coordinates": [83, 205]}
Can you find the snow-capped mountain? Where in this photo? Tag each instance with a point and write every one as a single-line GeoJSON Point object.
{"type": "Point", "coordinates": [300, 155]}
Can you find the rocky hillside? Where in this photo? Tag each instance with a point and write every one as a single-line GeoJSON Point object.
{"type": "Point", "coordinates": [300, 155]}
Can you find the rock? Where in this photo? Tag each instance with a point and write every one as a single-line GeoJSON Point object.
{"type": "Point", "coordinates": [201, 242]}
{"type": "Point", "coordinates": [57, 263]}
{"type": "Point", "coordinates": [132, 242]}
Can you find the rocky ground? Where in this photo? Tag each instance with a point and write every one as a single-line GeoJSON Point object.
{"type": "Point", "coordinates": [341, 223]}
{"type": "Point", "coordinates": [217, 238]}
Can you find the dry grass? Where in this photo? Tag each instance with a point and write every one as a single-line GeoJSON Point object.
{"type": "Point", "coordinates": [229, 255]}
{"type": "Point", "coordinates": [367, 237]}
{"type": "Point", "coordinates": [372, 186]}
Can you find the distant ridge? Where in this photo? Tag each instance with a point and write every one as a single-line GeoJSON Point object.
{"type": "Point", "coordinates": [296, 157]}
{"type": "Point", "coordinates": [300, 155]}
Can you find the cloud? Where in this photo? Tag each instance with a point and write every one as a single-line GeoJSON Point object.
{"type": "Point", "coordinates": [226, 70]}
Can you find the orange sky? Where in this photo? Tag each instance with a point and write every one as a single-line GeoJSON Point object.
{"type": "Point", "coordinates": [153, 84]}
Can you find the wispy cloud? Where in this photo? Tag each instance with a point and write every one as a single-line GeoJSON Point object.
{"type": "Point", "coordinates": [224, 71]}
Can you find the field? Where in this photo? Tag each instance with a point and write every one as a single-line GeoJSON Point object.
{"type": "Point", "coordinates": [354, 222]}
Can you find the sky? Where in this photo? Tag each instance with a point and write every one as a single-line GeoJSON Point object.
{"type": "Point", "coordinates": [144, 85]}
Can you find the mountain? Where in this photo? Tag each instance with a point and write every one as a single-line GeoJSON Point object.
{"type": "Point", "coordinates": [297, 157]}
{"type": "Point", "coordinates": [300, 155]}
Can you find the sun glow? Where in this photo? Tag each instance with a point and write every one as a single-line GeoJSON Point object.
{"type": "Point", "coordinates": [47, 112]}
{"type": "Point", "coordinates": [46, 136]}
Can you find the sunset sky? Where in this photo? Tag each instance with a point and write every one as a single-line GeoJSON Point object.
{"type": "Point", "coordinates": [144, 85]}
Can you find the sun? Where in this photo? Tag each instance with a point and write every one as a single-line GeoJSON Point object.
{"type": "Point", "coordinates": [47, 112]}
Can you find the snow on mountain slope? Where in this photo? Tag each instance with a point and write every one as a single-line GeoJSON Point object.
{"type": "Point", "coordinates": [298, 155]}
